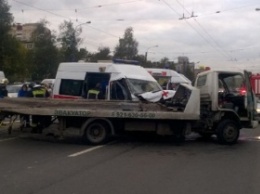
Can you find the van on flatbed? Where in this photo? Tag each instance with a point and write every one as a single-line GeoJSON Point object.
{"type": "Point", "coordinates": [118, 81]}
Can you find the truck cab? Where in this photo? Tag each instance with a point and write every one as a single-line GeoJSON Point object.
{"type": "Point", "coordinates": [225, 96]}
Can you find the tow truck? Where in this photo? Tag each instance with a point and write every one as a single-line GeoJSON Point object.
{"type": "Point", "coordinates": [211, 107]}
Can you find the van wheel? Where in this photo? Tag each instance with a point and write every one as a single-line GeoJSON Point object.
{"type": "Point", "coordinates": [227, 132]}
{"type": "Point", "coordinates": [96, 132]}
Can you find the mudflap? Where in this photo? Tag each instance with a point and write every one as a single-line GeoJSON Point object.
{"type": "Point", "coordinates": [41, 122]}
{"type": "Point", "coordinates": [180, 130]}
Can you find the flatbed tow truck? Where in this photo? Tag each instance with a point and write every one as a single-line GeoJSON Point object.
{"type": "Point", "coordinates": [214, 106]}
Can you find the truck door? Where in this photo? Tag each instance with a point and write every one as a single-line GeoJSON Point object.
{"type": "Point", "coordinates": [250, 97]}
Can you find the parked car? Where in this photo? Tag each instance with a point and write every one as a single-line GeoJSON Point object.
{"type": "Point", "coordinates": [48, 82]}
{"type": "Point", "coordinates": [13, 90]}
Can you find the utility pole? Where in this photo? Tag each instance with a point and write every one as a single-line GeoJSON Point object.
{"type": "Point", "coordinates": [146, 53]}
{"type": "Point", "coordinates": [73, 54]}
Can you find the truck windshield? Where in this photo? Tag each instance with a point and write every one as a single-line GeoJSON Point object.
{"type": "Point", "coordinates": [234, 83]}
{"type": "Point", "coordinates": [141, 86]}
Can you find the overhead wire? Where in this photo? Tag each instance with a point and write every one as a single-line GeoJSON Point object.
{"type": "Point", "coordinates": [40, 9]}
{"type": "Point", "coordinates": [110, 4]}
{"type": "Point", "coordinates": [34, 7]}
{"type": "Point", "coordinates": [205, 39]}
{"type": "Point", "coordinates": [206, 32]}
{"type": "Point", "coordinates": [90, 7]}
{"type": "Point", "coordinates": [227, 10]}
{"type": "Point", "coordinates": [113, 4]}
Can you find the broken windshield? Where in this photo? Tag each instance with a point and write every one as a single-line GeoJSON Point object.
{"type": "Point", "coordinates": [141, 86]}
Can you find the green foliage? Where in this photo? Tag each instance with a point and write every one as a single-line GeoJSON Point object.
{"type": "Point", "coordinates": [69, 39]}
{"type": "Point", "coordinates": [83, 54]}
{"type": "Point", "coordinates": [6, 18]}
{"type": "Point", "coordinates": [12, 52]}
{"type": "Point", "coordinates": [5, 25]}
{"type": "Point", "coordinates": [44, 55]}
{"type": "Point", "coordinates": [14, 63]}
{"type": "Point", "coordinates": [102, 54]}
{"type": "Point", "coordinates": [127, 47]}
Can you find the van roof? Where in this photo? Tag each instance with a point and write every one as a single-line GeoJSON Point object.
{"type": "Point", "coordinates": [163, 72]}
{"type": "Point", "coordinates": [119, 70]}
{"type": "Point", "coordinates": [175, 76]}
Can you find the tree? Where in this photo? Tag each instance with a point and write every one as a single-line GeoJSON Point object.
{"type": "Point", "coordinates": [103, 53]}
{"type": "Point", "coordinates": [69, 38]}
{"type": "Point", "coordinates": [44, 55]}
{"type": "Point", "coordinates": [12, 52]}
{"type": "Point", "coordinates": [127, 47]}
{"type": "Point", "coordinates": [14, 64]}
{"type": "Point", "coordinates": [5, 25]}
{"type": "Point", "coordinates": [6, 18]}
{"type": "Point", "coordinates": [83, 54]}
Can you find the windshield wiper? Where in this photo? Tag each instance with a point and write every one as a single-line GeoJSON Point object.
{"type": "Point", "coordinates": [156, 91]}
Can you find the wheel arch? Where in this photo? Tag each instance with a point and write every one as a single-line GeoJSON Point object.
{"type": "Point", "coordinates": [230, 115]}
{"type": "Point", "coordinates": [90, 120]}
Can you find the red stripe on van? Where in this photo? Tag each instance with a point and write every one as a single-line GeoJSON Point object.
{"type": "Point", "coordinates": [164, 73]}
{"type": "Point", "coordinates": [65, 97]}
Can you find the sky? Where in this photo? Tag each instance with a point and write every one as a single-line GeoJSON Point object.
{"type": "Point", "coordinates": [218, 34]}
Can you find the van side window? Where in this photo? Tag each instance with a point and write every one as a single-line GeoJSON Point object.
{"type": "Point", "coordinates": [71, 87]}
{"type": "Point", "coordinates": [201, 80]}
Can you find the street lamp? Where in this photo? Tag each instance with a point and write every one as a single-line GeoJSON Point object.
{"type": "Point", "coordinates": [88, 22]}
{"type": "Point", "coordinates": [74, 41]}
{"type": "Point", "coordinates": [146, 53]}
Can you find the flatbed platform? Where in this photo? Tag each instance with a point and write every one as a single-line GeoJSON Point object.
{"type": "Point", "coordinates": [92, 108]}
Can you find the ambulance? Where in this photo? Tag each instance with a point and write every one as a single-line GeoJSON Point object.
{"type": "Point", "coordinates": [118, 81]}
{"type": "Point", "coordinates": [167, 78]}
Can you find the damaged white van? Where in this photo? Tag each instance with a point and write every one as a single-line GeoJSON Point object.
{"type": "Point", "coordinates": [167, 78]}
{"type": "Point", "coordinates": [116, 81]}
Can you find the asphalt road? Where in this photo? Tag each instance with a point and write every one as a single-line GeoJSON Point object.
{"type": "Point", "coordinates": [30, 164]}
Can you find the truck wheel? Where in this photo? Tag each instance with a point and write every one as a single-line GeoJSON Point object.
{"type": "Point", "coordinates": [96, 132]}
{"type": "Point", "coordinates": [227, 132]}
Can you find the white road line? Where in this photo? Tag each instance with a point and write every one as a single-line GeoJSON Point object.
{"type": "Point", "coordinates": [9, 139]}
{"type": "Point", "coordinates": [85, 151]}
{"type": "Point", "coordinates": [89, 150]}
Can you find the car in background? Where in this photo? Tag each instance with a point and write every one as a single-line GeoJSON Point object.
{"type": "Point", "coordinates": [13, 90]}
{"type": "Point", "coordinates": [48, 82]}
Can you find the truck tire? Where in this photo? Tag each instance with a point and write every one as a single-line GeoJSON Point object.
{"type": "Point", "coordinates": [227, 132]}
{"type": "Point", "coordinates": [96, 132]}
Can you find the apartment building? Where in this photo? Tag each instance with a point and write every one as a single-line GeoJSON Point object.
{"type": "Point", "coordinates": [24, 33]}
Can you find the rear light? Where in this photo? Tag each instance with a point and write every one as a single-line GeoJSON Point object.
{"type": "Point", "coordinates": [242, 92]}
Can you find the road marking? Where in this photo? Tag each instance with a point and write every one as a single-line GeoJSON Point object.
{"type": "Point", "coordinates": [249, 138]}
{"type": "Point", "coordinates": [89, 150]}
{"type": "Point", "coordinates": [86, 151]}
{"type": "Point", "coordinates": [9, 139]}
